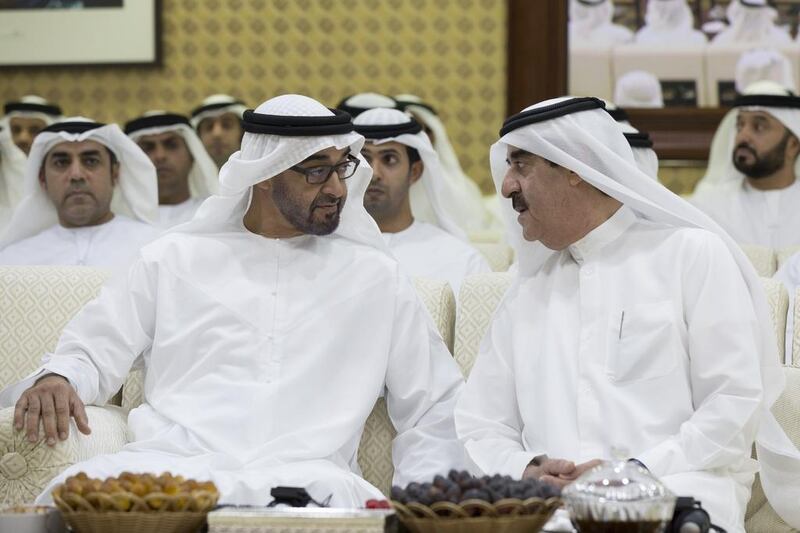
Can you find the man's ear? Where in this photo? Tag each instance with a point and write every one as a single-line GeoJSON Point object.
{"type": "Point", "coordinates": [416, 170]}
{"type": "Point", "coordinates": [793, 146]}
{"type": "Point", "coordinates": [42, 179]}
{"type": "Point", "coordinates": [265, 185]}
{"type": "Point", "coordinates": [115, 173]}
{"type": "Point", "coordinates": [574, 179]}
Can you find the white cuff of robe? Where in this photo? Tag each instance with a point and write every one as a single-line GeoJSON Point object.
{"type": "Point", "coordinates": [665, 459]}
{"type": "Point", "coordinates": [10, 395]}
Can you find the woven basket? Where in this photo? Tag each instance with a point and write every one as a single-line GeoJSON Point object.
{"type": "Point", "coordinates": [125, 512]}
{"type": "Point", "coordinates": [478, 516]}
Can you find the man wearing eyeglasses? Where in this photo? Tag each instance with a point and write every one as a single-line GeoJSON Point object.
{"type": "Point", "coordinates": [268, 327]}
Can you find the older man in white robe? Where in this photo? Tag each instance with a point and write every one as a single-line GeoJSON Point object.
{"type": "Point", "coordinates": [218, 121]}
{"type": "Point", "coordinates": [186, 173]}
{"type": "Point", "coordinates": [751, 187]}
{"type": "Point", "coordinates": [407, 196]}
{"type": "Point", "coordinates": [89, 199]}
{"type": "Point", "coordinates": [268, 327]}
{"type": "Point", "coordinates": [633, 321]}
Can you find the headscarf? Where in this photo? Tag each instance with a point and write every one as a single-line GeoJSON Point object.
{"type": "Point", "coordinates": [638, 88]}
{"type": "Point", "coordinates": [432, 197]}
{"type": "Point", "coordinates": [203, 174]}
{"type": "Point", "coordinates": [216, 105]}
{"type": "Point", "coordinates": [669, 23]}
{"type": "Point", "coordinates": [577, 133]}
{"type": "Point", "coordinates": [590, 24]}
{"type": "Point", "coordinates": [135, 194]}
{"type": "Point", "coordinates": [721, 172]}
{"type": "Point", "coordinates": [358, 103]}
{"type": "Point", "coordinates": [32, 106]}
{"type": "Point", "coordinates": [764, 64]}
{"type": "Point", "coordinates": [752, 22]}
{"type": "Point", "coordinates": [279, 134]}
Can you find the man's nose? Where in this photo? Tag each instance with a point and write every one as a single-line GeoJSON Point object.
{"type": "Point", "coordinates": [76, 171]}
{"type": "Point", "coordinates": [334, 186]}
{"type": "Point", "coordinates": [510, 185]}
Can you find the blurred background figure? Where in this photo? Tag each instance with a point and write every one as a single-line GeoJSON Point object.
{"type": "Point", "coordinates": [669, 23]}
{"type": "Point", "coordinates": [591, 23]}
{"type": "Point", "coordinates": [638, 88]}
{"type": "Point", "coordinates": [27, 117]}
{"type": "Point", "coordinates": [752, 22]}
{"type": "Point", "coordinates": [218, 122]}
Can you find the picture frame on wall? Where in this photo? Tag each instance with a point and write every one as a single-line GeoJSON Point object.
{"type": "Point", "coordinates": [79, 32]}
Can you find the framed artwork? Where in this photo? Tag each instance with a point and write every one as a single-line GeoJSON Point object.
{"type": "Point", "coordinates": [79, 32]}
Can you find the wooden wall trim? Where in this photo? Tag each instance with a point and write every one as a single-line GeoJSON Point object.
{"type": "Point", "coordinates": [537, 52]}
{"type": "Point", "coordinates": [537, 69]}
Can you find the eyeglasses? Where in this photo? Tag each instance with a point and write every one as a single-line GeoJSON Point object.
{"type": "Point", "coordinates": [322, 173]}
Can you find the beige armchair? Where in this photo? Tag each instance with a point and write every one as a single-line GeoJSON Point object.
{"type": "Point", "coordinates": [35, 305]}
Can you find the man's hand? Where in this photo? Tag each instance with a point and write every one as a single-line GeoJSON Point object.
{"type": "Point", "coordinates": [53, 400]}
{"type": "Point", "coordinates": [558, 472]}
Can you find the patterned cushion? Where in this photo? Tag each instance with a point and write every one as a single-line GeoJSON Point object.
{"type": "Point", "coordinates": [26, 468]}
{"type": "Point", "coordinates": [763, 259]}
{"type": "Point", "coordinates": [36, 303]}
{"type": "Point", "coordinates": [784, 254]}
{"type": "Point", "coordinates": [478, 299]}
{"type": "Point", "coordinates": [761, 518]}
{"type": "Point", "coordinates": [498, 255]}
{"type": "Point", "coordinates": [778, 300]}
{"type": "Point", "coordinates": [796, 330]}
{"type": "Point", "coordinates": [441, 303]}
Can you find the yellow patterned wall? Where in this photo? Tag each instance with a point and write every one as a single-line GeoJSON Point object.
{"type": "Point", "coordinates": [450, 52]}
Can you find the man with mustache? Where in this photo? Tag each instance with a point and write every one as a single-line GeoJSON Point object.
{"type": "Point", "coordinates": [218, 122]}
{"type": "Point", "coordinates": [268, 327]}
{"type": "Point", "coordinates": [751, 186]}
{"type": "Point", "coordinates": [632, 320]}
{"type": "Point", "coordinates": [406, 172]}
{"type": "Point", "coordinates": [186, 173]}
{"type": "Point", "coordinates": [89, 199]}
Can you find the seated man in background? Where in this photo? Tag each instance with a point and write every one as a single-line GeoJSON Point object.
{"type": "Point", "coordinates": [12, 170]}
{"type": "Point", "coordinates": [625, 295]}
{"type": "Point", "coordinates": [27, 117]}
{"type": "Point", "coordinates": [90, 199]}
{"type": "Point", "coordinates": [218, 122]}
{"type": "Point", "coordinates": [751, 186]}
{"type": "Point", "coordinates": [268, 326]}
{"type": "Point", "coordinates": [424, 239]}
{"type": "Point", "coordinates": [186, 173]}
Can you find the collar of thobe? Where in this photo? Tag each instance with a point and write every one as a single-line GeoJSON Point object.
{"type": "Point", "coordinates": [604, 234]}
{"type": "Point", "coordinates": [400, 235]}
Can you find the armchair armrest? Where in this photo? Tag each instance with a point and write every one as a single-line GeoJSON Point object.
{"type": "Point", "coordinates": [26, 468]}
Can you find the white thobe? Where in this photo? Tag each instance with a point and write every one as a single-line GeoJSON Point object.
{"type": "Point", "coordinates": [752, 216]}
{"type": "Point", "coordinates": [111, 245]}
{"type": "Point", "coordinates": [427, 251]}
{"type": "Point", "coordinates": [263, 359]}
{"type": "Point", "coordinates": [172, 215]}
{"type": "Point", "coordinates": [639, 336]}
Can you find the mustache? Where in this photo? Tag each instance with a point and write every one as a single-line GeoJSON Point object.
{"type": "Point", "coordinates": [79, 189]}
{"type": "Point", "coordinates": [325, 200]}
{"type": "Point", "coordinates": [518, 202]}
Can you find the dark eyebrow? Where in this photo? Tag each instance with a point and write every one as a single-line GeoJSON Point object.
{"type": "Point", "coordinates": [58, 154]}
{"type": "Point", "coordinates": [90, 153]}
{"type": "Point", "coordinates": [389, 151]}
